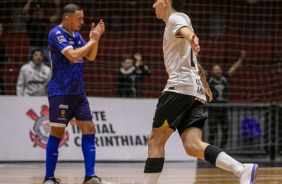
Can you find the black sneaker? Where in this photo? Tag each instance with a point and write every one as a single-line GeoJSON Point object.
{"type": "Point", "coordinates": [51, 181]}
{"type": "Point", "coordinates": [94, 180]}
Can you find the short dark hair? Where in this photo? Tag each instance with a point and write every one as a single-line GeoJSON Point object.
{"type": "Point", "coordinates": [177, 4]}
{"type": "Point", "coordinates": [127, 56]}
{"type": "Point", "coordinates": [71, 8]}
{"type": "Point", "coordinates": [35, 50]}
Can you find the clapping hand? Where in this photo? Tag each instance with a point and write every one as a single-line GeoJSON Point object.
{"type": "Point", "coordinates": [97, 31]}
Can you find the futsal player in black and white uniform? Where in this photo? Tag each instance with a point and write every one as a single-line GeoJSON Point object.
{"type": "Point", "coordinates": [181, 105]}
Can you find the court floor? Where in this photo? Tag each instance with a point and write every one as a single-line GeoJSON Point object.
{"type": "Point", "coordinates": [130, 173]}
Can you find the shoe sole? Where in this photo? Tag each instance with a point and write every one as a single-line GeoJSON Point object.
{"type": "Point", "coordinates": [254, 174]}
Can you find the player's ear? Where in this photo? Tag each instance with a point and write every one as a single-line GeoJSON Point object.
{"type": "Point", "coordinates": [166, 2]}
{"type": "Point", "coordinates": [67, 18]}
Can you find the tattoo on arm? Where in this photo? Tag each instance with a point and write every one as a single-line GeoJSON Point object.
{"type": "Point", "coordinates": [203, 77]}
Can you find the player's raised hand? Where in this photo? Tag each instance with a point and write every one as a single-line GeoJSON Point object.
{"type": "Point", "coordinates": [91, 34]}
{"type": "Point", "coordinates": [92, 26]}
{"type": "Point", "coordinates": [102, 24]}
{"type": "Point", "coordinates": [97, 31]}
{"type": "Point", "coordinates": [195, 44]}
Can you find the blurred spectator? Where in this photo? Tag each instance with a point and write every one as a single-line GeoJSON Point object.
{"type": "Point", "coordinates": [3, 59]}
{"type": "Point", "coordinates": [34, 76]}
{"type": "Point", "coordinates": [36, 25]}
{"type": "Point", "coordinates": [218, 116]}
{"type": "Point", "coordinates": [129, 76]}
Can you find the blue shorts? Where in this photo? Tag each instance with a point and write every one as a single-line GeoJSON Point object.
{"type": "Point", "coordinates": [63, 108]}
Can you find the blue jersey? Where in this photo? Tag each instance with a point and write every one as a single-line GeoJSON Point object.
{"type": "Point", "coordinates": [67, 76]}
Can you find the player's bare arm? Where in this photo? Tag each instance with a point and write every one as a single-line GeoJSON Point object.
{"type": "Point", "coordinates": [75, 54]}
{"type": "Point", "coordinates": [100, 28]}
{"type": "Point", "coordinates": [188, 34]}
{"type": "Point", "coordinates": [204, 82]}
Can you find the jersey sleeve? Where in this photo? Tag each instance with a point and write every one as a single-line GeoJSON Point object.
{"type": "Point", "coordinates": [178, 22]}
{"type": "Point", "coordinates": [59, 41]}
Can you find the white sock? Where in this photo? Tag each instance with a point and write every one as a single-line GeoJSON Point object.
{"type": "Point", "coordinates": [228, 163]}
{"type": "Point", "coordinates": [151, 178]}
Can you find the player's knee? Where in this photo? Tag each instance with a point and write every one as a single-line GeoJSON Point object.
{"type": "Point", "coordinates": [87, 127]}
{"type": "Point", "coordinates": [93, 130]}
{"type": "Point", "coordinates": [57, 131]}
{"type": "Point", "coordinates": [150, 141]}
{"type": "Point", "coordinates": [89, 130]}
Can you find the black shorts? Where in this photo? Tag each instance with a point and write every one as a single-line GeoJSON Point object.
{"type": "Point", "coordinates": [179, 111]}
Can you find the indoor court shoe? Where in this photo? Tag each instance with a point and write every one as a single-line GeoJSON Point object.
{"type": "Point", "coordinates": [248, 176]}
{"type": "Point", "coordinates": [94, 180]}
{"type": "Point", "coordinates": [51, 181]}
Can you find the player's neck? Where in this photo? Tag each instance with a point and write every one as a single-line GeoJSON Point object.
{"type": "Point", "coordinates": [66, 28]}
{"type": "Point", "coordinates": [168, 13]}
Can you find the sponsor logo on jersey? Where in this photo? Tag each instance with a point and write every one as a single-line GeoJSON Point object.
{"type": "Point", "coordinates": [61, 39]}
{"type": "Point", "coordinates": [63, 113]}
{"type": "Point", "coordinates": [62, 106]}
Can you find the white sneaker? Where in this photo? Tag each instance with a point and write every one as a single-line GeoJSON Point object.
{"type": "Point", "coordinates": [249, 174]}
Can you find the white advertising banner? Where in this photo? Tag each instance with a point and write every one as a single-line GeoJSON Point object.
{"type": "Point", "coordinates": [122, 129]}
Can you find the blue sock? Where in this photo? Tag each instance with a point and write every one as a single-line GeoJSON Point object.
{"type": "Point", "coordinates": [89, 153]}
{"type": "Point", "coordinates": [52, 155]}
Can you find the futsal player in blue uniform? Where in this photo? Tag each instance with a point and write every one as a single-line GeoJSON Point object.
{"type": "Point", "coordinates": [66, 95]}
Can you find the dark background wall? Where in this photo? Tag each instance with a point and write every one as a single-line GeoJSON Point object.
{"type": "Point", "coordinates": [225, 27]}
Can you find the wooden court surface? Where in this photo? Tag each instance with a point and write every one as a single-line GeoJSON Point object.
{"type": "Point", "coordinates": [130, 173]}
